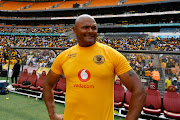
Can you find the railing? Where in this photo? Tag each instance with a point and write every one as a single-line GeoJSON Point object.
{"type": "Point", "coordinates": [41, 58]}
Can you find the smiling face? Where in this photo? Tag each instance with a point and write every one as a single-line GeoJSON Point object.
{"type": "Point", "coordinates": [86, 30]}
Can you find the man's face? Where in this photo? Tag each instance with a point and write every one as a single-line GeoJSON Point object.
{"type": "Point", "coordinates": [86, 31]}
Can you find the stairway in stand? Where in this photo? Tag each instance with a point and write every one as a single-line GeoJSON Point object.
{"type": "Point", "coordinates": [156, 62]}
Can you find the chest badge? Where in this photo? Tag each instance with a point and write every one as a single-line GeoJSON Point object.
{"type": "Point", "coordinates": [99, 59]}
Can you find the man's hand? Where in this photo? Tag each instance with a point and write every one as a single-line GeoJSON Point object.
{"type": "Point", "coordinates": [57, 116]}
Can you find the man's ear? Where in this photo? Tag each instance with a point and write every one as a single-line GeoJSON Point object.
{"type": "Point", "coordinates": [74, 30]}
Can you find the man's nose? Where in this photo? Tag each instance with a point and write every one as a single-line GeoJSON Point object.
{"type": "Point", "coordinates": [90, 29]}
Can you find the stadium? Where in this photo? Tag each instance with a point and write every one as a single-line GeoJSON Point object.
{"type": "Point", "coordinates": [35, 32]}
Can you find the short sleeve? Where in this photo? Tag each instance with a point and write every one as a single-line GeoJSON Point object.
{"type": "Point", "coordinates": [57, 65]}
{"type": "Point", "coordinates": [121, 64]}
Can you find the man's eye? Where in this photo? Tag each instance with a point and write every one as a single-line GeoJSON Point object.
{"type": "Point", "coordinates": [85, 27]}
{"type": "Point", "coordinates": [94, 28]}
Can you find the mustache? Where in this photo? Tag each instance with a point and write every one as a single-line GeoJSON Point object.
{"type": "Point", "coordinates": [92, 35]}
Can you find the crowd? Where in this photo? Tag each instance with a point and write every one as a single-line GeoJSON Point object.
{"type": "Point", "coordinates": [125, 44]}
{"type": "Point", "coordinates": [36, 41]}
{"type": "Point", "coordinates": [50, 41]}
{"type": "Point", "coordinates": [170, 44]}
{"type": "Point", "coordinates": [44, 58]}
{"type": "Point", "coordinates": [35, 29]}
{"type": "Point", "coordinates": [170, 63]}
{"type": "Point", "coordinates": [136, 60]}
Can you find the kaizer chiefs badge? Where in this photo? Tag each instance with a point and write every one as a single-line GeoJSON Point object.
{"type": "Point", "coordinates": [172, 89]}
{"type": "Point", "coordinates": [99, 59]}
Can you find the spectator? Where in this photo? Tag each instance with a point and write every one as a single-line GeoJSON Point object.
{"type": "Point", "coordinates": [155, 77]}
{"type": "Point", "coordinates": [175, 83]}
{"type": "Point", "coordinates": [168, 82]}
{"type": "Point", "coordinates": [16, 70]}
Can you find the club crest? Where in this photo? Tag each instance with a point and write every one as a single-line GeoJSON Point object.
{"type": "Point", "coordinates": [99, 59]}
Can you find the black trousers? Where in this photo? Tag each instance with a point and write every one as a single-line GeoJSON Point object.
{"type": "Point", "coordinates": [12, 78]}
{"type": "Point", "coordinates": [156, 82]}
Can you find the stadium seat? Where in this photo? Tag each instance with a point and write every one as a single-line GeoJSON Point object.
{"type": "Point", "coordinates": [12, 5]}
{"type": "Point", "coordinates": [41, 89]}
{"type": "Point", "coordinates": [96, 3]}
{"type": "Point", "coordinates": [118, 93]}
{"type": "Point", "coordinates": [60, 87]}
{"type": "Point", "coordinates": [127, 99]}
{"type": "Point", "coordinates": [153, 100]}
{"type": "Point", "coordinates": [171, 103]}
{"type": "Point", "coordinates": [32, 79]}
{"type": "Point", "coordinates": [140, 1]}
{"type": "Point", "coordinates": [23, 77]}
{"type": "Point", "coordinates": [39, 83]}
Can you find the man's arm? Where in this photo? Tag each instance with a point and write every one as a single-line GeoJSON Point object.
{"type": "Point", "coordinates": [138, 97]}
{"type": "Point", "coordinates": [50, 81]}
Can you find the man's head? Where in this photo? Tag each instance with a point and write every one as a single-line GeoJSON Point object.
{"type": "Point", "coordinates": [174, 79]}
{"type": "Point", "coordinates": [86, 30]}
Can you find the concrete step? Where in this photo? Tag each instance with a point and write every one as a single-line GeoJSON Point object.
{"type": "Point", "coordinates": [162, 93]}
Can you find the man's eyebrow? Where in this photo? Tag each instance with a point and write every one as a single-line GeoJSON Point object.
{"type": "Point", "coordinates": [89, 26]}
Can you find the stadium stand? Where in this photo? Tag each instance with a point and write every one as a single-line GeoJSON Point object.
{"type": "Point", "coordinates": [10, 5]}
{"type": "Point", "coordinates": [97, 3]}
{"type": "Point", "coordinates": [1, 2]}
{"type": "Point", "coordinates": [140, 1]}
{"type": "Point", "coordinates": [43, 5]}
{"type": "Point", "coordinates": [132, 19]}
{"type": "Point", "coordinates": [69, 4]}
{"type": "Point", "coordinates": [169, 30]}
{"type": "Point", "coordinates": [171, 103]}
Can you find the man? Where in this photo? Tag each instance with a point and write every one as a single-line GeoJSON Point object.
{"type": "Point", "coordinates": [155, 76]}
{"type": "Point", "coordinates": [168, 82]}
{"type": "Point", "coordinates": [90, 68]}
{"type": "Point", "coordinates": [16, 70]}
{"type": "Point", "coordinates": [176, 84]}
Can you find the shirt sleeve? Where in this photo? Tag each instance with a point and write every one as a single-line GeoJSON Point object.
{"type": "Point", "coordinates": [121, 64]}
{"type": "Point", "coordinates": [57, 65]}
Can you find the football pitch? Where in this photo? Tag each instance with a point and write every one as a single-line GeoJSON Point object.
{"type": "Point", "coordinates": [19, 107]}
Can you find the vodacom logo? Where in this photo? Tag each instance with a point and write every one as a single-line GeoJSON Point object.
{"type": "Point", "coordinates": [84, 75]}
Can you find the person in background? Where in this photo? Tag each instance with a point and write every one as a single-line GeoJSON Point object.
{"type": "Point", "coordinates": [175, 83]}
{"type": "Point", "coordinates": [168, 82]}
{"type": "Point", "coordinates": [15, 70]}
{"type": "Point", "coordinates": [90, 68]}
{"type": "Point", "coordinates": [155, 77]}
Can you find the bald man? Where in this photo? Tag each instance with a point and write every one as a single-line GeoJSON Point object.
{"type": "Point", "coordinates": [90, 68]}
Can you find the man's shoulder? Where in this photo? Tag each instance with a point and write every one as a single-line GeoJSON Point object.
{"type": "Point", "coordinates": [67, 51]}
{"type": "Point", "coordinates": [104, 46]}
{"type": "Point", "coordinates": [166, 80]}
{"type": "Point", "coordinates": [108, 50]}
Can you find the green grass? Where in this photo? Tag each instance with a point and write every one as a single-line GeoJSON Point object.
{"type": "Point", "coordinates": [4, 78]}
{"type": "Point", "coordinates": [20, 107]}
